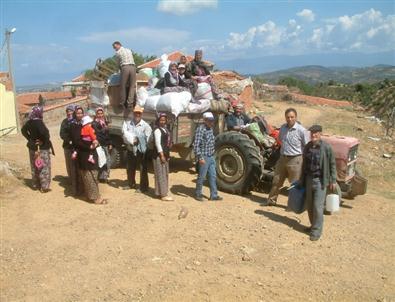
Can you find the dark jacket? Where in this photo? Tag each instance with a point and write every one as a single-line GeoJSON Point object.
{"type": "Point", "coordinates": [231, 120]}
{"type": "Point", "coordinates": [83, 149]}
{"type": "Point", "coordinates": [165, 143]}
{"type": "Point", "coordinates": [65, 134]}
{"type": "Point", "coordinates": [327, 164]}
{"type": "Point", "coordinates": [168, 83]}
{"type": "Point", "coordinates": [195, 67]}
{"type": "Point", "coordinates": [35, 130]}
{"type": "Point", "coordinates": [102, 134]}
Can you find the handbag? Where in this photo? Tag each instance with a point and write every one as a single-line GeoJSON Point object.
{"type": "Point", "coordinates": [101, 154]}
{"type": "Point", "coordinates": [38, 162]}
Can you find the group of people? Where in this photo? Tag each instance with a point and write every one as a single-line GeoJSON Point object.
{"type": "Point", "coordinates": [304, 159]}
{"type": "Point", "coordinates": [309, 162]}
{"type": "Point", "coordinates": [181, 76]}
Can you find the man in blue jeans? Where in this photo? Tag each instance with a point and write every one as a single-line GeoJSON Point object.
{"type": "Point", "coordinates": [203, 147]}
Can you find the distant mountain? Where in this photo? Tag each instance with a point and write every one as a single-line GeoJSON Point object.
{"type": "Point", "coordinates": [265, 64]}
{"type": "Point", "coordinates": [347, 75]}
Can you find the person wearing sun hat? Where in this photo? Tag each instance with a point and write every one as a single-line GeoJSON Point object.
{"type": "Point", "coordinates": [318, 175]}
{"type": "Point", "coordinates": [135, 135]}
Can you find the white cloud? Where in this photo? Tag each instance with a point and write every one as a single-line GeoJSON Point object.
{"type": "Point", "coordinates": [306, 14]}
{"type": "Point", "coordinates": [369, 31]}
{"type": "Point", "coordinates": [133, 36]}
{"type": "Point", "coordinates": [185, 7]}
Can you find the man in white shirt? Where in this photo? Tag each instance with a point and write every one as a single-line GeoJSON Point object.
{"type": "Point", "coordinates": [125, 60]}
{"type": "Point", "coordinates": [135, 134]}
{"type": "Point", "coordinates": [293, 137]}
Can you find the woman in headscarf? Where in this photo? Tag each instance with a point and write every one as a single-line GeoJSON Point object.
{"type": "Point", "coordinates": [100, 124]}
{"type": "Point", "coordinates": [77, 187]}
{"type": "Point", "coordinates": [65, 135]}
{"type": "Point", "coordinates": [173, 81]}
{"type": "Point", "coordinates": [39, 144]}
{"type": "Point", "coordinates": [87, 169]}
{"type": "Point", "coordinates": [201, 73]}
{"type": "Point", "coordinates": [160, 158]}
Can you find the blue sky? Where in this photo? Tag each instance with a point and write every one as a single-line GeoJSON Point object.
{"type": "Point", "coordinates": [56, 40]}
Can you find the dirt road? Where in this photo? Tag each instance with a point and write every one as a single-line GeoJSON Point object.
{"type": "Point", "coordinates": [57, 248]}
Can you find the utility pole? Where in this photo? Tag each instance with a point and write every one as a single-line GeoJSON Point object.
{"type": "Point", "coordinates": [11, 75]}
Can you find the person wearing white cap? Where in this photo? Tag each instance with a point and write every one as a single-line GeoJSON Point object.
{"type": "Point", "coordinates": [204, 148]}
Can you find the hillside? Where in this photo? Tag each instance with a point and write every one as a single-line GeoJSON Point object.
{"type": "Point", "coordinates": [348, 75]}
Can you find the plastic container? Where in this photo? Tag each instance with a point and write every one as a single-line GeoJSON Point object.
{"type": "Point", "coordinates": [332, 203]}
{"type": "Point", "coordinates": [296, 198]}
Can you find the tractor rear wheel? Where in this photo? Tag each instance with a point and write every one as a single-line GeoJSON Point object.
{"type": "Point", "coordinates": [239, 163]}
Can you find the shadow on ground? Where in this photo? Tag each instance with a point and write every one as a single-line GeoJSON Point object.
{"type": "Point", "coordinates": [292, 223]}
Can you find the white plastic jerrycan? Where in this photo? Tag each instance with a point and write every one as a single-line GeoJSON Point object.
{"type": "Point", "coordinates": [332, 203]}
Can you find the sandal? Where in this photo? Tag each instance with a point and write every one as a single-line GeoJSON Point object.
{"type": "Point", "coordinates": [102, 201]}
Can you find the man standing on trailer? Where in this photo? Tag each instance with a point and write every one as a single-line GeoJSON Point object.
{"type": "Point", "coordinates": [125, 60]}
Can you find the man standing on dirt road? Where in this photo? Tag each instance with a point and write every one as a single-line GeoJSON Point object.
{"type": "Point", "coordinates": [203, 148]}
{"type": "Point", "coordinates": [318, 173]}
{"type": "Point", "coordinates": [293, 137]}
{"type": "Point", "coordinates": [135, 134]}
{"type": "Point", "coordinates": [125, 60]}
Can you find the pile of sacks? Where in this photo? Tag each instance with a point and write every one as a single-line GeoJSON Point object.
{"type": "Point", "coordinates": [175, 102]}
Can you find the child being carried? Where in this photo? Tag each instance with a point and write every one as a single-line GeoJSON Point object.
{"type": "Point", "coordinates": [88, 135]}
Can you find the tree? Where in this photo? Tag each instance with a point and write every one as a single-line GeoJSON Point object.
{"type": "Point", "coordinates": [383, 106]}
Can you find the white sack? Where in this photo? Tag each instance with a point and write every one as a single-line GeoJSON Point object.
{"type": "Point", "coordinates": [150, 103]}
{"type": "Point", "coordinates": [199, 107]}
{"type": "Point", "coordinates": [142, 95]}
{"type": "Point", "coordinates": [204, 91]}
{"type": "Point", "coordinates": [163, 65]}
{"type": "Point", "coordinates": [174, 102]}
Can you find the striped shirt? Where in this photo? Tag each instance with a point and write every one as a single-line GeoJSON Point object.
{"type": "Point", "coordinates": [124, 56]}
{"type": "Point", "coordinates": [293, 139]}
{"type": "Point", "coordinates": [204, 142]}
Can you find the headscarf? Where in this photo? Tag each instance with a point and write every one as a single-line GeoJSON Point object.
{"type": "Point", "coordinates": [70, 108]}
{"type": "Point", "coordinates": [76, 108]}
{"type": "Point", "coordinates": [102, 121]}
{"type": "Point", "coordinates": [36, 113]}
{"type": "Point", "coordinates": [173, 74]}
{"type": "Point", "coordinates": [160, 115]}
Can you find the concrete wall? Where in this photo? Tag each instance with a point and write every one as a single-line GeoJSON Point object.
{"type": "Point", "coordinates": [7, 111]}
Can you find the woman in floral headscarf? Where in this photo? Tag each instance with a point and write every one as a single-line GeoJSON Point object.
{"type": "Point", "coordinates": [100, 124]}
{"type": "Point", "coordinates": [161, 156]}
{"type": "Point", "coordinates": [39, 145]}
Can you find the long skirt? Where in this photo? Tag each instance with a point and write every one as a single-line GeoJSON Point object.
{"type": "Point", "coordinates": [161, 175]}
{"type": "Point", "coordinates": [91, 185]}
{"type": "Point", "coordinates": [68, 161]}
{"type": "Point", "coordinates": [41, 178]}
{"type": "Point", "coordinates": [104, 172]}
{"type": "Point", "coordinates": [77, 186]}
